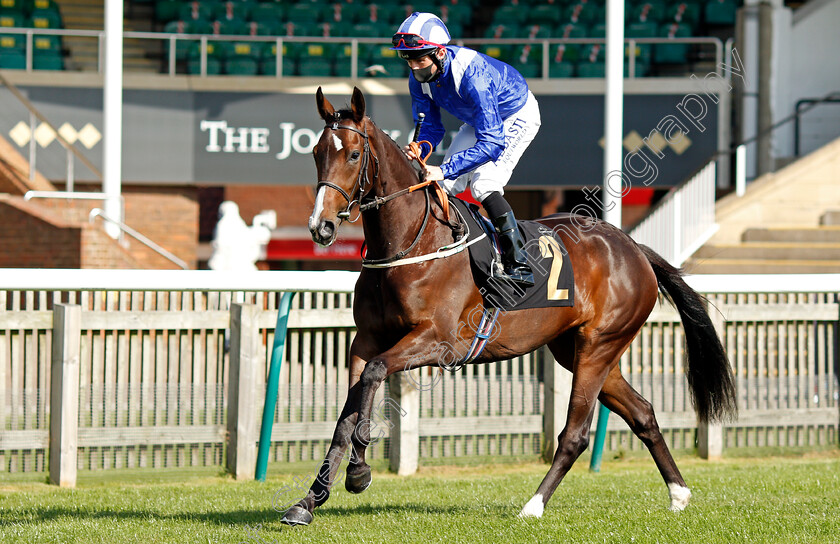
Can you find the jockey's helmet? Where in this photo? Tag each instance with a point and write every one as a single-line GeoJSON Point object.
{"type": "Point", "coordinates": [420, 35]}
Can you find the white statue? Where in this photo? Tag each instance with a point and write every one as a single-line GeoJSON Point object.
{"type": "Point", "coordinates": [236, 246]}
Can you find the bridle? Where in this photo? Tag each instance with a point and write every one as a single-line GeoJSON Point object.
{"type": "Point", "coordinates": [363, 172]}
{"type": "Point", "coordinates": [362, 185]}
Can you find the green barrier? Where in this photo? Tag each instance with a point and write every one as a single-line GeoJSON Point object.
{"type": "Point", "coordinates": [600, 437]}
{"type": "Point", "coordinates": [272, 384]}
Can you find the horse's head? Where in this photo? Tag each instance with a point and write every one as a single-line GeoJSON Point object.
{"type": "Point", "coordinates": [343, 161]}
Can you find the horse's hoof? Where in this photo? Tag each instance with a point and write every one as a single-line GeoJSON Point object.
{"type": "Point", "coordinates": [297, 515]}
{"type": "Point", "coordinates": [359, 481]}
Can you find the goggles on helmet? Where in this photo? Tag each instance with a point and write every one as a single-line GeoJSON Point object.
{"type": "Point", "coordinates": [412, 46]}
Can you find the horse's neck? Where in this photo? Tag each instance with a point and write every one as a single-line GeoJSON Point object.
{"type": "Point", "coordinates": [393, 227]}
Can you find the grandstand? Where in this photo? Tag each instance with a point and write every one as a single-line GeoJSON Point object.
{"type": "Point", "coordinates": [569, 34]}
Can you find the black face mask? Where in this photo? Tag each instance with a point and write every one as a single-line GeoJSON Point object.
{"type": "Point", "coordinates": [424, 75]}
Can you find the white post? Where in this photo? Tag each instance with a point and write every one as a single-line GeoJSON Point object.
{"type": "Point", "coordinates": [710, 435]}
{"type": "Point", "coordinates": [741, 170]}
{"type": "Point", "coordinates": [64, 394]}
{"type": "Point", "coordinates": [614, 112]}
{"type": "Point", "coordinates": [112, 112]}
{"type": "Point", "coordinates": [404, 448]}
{"type": "Point", "coordinates": [558, 389]}
{"type": "Point", "coordinates": [242, 378]}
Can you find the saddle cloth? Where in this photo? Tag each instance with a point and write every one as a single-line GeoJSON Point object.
{"type": "Point", "coordinates": [547, 257]}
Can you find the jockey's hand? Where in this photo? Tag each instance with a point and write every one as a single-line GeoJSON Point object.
{"type": "Point", "coordinates": [409, 153]}
{"type": "Point", "coordinates": [434, 173]}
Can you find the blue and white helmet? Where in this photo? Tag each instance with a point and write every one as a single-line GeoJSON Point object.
{"type": "Point", "coordinates": [420, 35]}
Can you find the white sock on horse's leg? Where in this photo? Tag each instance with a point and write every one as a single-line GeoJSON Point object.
{"type": "Point", "coordinates": [534, 508]}
{"type": "Point", "coordinates": [679, 497]}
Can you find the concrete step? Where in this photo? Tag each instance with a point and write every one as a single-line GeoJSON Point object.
{"type": "Point", "coordinates": [761, 266]}
{"type": "Point", "coordinates": [830, 218]}
{"type": "Point", "coordinates": [770, 250]}
{"type": "Point", "coordinates": [825, 234]}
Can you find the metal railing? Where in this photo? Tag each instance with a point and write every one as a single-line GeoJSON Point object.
{"type": "Point", "coordinates": [683, 220]}
{"type": "Point", "coordinates": [203, 39]}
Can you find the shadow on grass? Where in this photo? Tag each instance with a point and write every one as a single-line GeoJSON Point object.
{"type": "Point", "coordinates": [250, 517]}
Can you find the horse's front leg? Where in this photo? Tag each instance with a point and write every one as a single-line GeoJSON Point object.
{"type": "Point", "coordinates": [301, 513]}
{"type": "Point", "coordinates": [416, 349]}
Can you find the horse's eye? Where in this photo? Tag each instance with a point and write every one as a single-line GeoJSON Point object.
{"type": "Point", "coordinates": [354, 156]}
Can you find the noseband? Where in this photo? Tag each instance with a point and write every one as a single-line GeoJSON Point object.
{"type": "Point", "coordinates": [363, 178]}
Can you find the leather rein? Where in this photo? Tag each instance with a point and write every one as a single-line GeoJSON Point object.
{"type": "Point", "coordinates": [363, 183]}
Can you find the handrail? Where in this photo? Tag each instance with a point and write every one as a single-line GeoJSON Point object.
{"type": "Point", "coordinates": [172, 38]}
{"type": "Point", "coordinates": [98, 212]}
{"type": "Point", "coordinates": [682, 221]}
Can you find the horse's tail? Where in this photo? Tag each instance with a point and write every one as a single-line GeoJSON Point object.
{"type": "Point", "coordinates": [709, 373]}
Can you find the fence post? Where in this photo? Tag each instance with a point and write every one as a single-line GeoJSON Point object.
{"type": "Point", "coordinates": [404, 423]}
{"type": "Point", "coordinates": [558, 387]}
{"type": "Point", "coordinates": [64, 393]}
{"type": "Point", "coordinates": [710, 435]}
{"type": "Point", "coordinates": [242, 410]}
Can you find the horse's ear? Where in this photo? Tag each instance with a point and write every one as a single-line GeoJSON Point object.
{"type": "Point", "coordinates": [325, 109]}
{"type": "Point", "coordinates": [357, 105]}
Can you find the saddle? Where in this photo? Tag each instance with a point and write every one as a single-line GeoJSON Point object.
{"type": "Point", "coordinates": [547, 257]}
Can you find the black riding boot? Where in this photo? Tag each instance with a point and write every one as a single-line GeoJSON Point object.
{"type": "Point", "coordinates": [514, 257]}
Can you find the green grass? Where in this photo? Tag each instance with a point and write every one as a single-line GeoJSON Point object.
{"type": "Point", "coordinates": [784, 499]}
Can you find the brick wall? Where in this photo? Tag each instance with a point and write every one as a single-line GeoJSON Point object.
{"type": "Point", "coordinates": [293, 204]}
{"type": "Point", "coordinates": [166, 215]}
{"type": "Point", "coordinates": [31, 238]}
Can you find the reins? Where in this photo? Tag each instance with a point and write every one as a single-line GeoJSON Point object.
{"type": "Point", "coordinates": [378, 201]}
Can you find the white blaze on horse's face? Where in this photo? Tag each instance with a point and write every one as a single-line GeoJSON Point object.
{"type": "Point", "coordinates": [337, 142]}
{"type": "Point", "coordinates": [323, 232]}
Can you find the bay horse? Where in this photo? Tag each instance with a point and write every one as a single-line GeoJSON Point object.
{"type": "Point", "coordinates": [403, 312]}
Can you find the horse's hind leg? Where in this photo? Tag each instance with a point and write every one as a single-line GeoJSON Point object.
{"type": "Point", "coordinates": [591, 366]}
{"type": "Point", "coordinates": [621, 398]}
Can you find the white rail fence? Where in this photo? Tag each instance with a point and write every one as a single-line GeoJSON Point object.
{"type": "Point", "coordinates": [156, 350]}
{"type": "Point", "coordinates": [683, 220]}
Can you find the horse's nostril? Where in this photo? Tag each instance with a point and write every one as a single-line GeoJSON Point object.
{"type": "Point", "coordinates": [327, 229]}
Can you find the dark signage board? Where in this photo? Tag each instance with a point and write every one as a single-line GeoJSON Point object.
{"type": "Point", "coordinates": [203, 137]}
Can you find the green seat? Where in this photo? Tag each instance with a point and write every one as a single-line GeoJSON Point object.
{"type": "Point", "coordinates": [372, 30]}
{"type": "Point", "coordinates": [253, 28]}
{"type": "Point", "coordinates": [182, 47]}
{"type": "Point", "coordinates": [34, 4]}
{"type": "Point", "coordinates": [535, 32]}
{"type": "Point", "coordinates": [577, 13]}
{"type": "Point", "coordinates": [47, 60]}
{"type": "Point", "coordinates": [545, 14]}
{"type": "Point", "coordinates": [334, 30]}
{"type": "Point", "coordinates": [509, 15]}
{"type": "Point", "coordinates": [720, 12]}
{"type": "Point", "coordinates": [593, 53]}
{"type": "Point", "coordinates": [307, 12]}
{"type": "Point", "coordinates": [503, 52]}
{"type": "Point", "coordinates": [12, 42]}
{"type": "Point", "coordinates": [196, 11]}
{"type": "Point", "coordinates": [642, 30]}
{"type": "Point", "coordinates": [41, 42]}
{"type": "Point", "coordinates": [672, 53]}
{"type": "Point", "coordinates": [214, 66]}
{"type": "Point", "coordinates": [385, 67]}
{"type": "Point", "coordinates": [647, 12]}
{"type": "Point", "coordinates": [568, 52]}
{"type": "Point", "coordinates": [598, 30]}
{"type": "Point", "coordinates": [561, 69]}
{"type": "Point", "coordinates": [455, 14]}
{"type": "Point", "coordinates": [13, 19]}
{"type": "Point", "coordinates": [591, 69]}
{"type": "Point", "coordinates": [242, 66]}
{"type": "Point", "coordinates": [502, 30]}
{"type": "Point", "coordinates": [527, 60]}
{"type": "Point", "coordinates": [167, 10]}
{"type": "Point", "coordinates": [268, 66]}
{"type": "Point", "coordinates": [346, 12]}
{"type": "Point", "coordinates": [12, 59]}
{"type": "Point", "coordinates": [315, 67]}
{"type": "Point", "coordinates": [342, 60]}
{"type": "Point", "coordinates": [683, 13]}
{"type": "Point", "coordinates": [239, 9]}
{"type": "Point", "coordinates": [268, 12]}
{"type": "Point", "coordinates": [229, 27]}
{"type": "Point", "coordinates": [19, 6]}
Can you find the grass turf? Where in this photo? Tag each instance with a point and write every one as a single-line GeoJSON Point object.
{"type": "Point", "coordinates": [784, 499]}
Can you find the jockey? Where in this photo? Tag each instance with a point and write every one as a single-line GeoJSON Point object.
{"type": "Point", "coordinates": [500, 117]}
